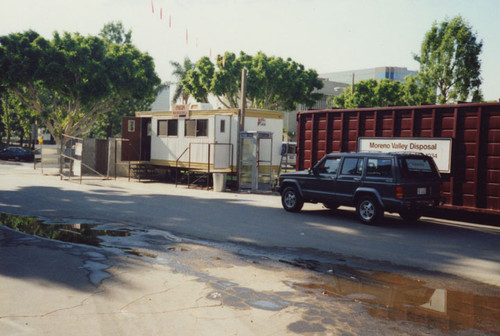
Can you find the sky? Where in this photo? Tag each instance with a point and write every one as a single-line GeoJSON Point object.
{"type": "Point", "coordinates": [325, 35]}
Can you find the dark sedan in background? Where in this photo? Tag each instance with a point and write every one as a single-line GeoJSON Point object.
{"type": "Point", "coordinates": [17, 154]}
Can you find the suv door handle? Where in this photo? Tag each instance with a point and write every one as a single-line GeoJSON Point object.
{"type": "Point", "coordinates": [357, 179]}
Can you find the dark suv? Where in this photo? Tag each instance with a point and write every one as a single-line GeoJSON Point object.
{"type": "Point", "coordinates": [372, 182]}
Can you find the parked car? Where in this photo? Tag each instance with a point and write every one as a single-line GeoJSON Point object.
{"type": "Point", "coordinates": [371, 182]}
{"type": "Point", "coordinates": [289, 152]}
{"type": "Point", "coordinates": [17, 154]}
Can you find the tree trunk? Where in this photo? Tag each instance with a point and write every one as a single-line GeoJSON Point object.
{"type": "Point", "coordinates": [109, 129]}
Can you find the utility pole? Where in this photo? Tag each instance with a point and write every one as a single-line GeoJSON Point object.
{"type": "Point", "coordinates": [241, 122]}
{"type": "Point", "coordinates": [352, 87]}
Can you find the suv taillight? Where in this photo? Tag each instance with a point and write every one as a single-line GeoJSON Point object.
{"type": "Point", "coordinates": [399, 192]}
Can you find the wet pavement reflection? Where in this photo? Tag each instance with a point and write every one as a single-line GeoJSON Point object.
{"type": "Point", "coordinates": [383, 295]}
{"type": "Point", "coordinates": [394, 297]}
{"type": "Point", "coordinates": [78, 232]}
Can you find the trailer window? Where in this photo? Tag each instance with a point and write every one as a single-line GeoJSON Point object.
{"type": "Point", "coordinates": [131, 126]}
{"type": "Point", "coordinates": [196, 128]}
{"type": "Point", "coordinates": [167, 127]}
{"type": "Point", "coordinates": [202, 127]}
{"type": "Point", "coordinates": [162, 127]}
{"type": "Point", "coordinates": [172, 127]}
{"type": "Point", "coordinates": [190, 128]}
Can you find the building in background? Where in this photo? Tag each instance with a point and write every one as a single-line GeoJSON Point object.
{"type": "Point", "coordinates": [379, 73]}
{"type": "Point", "coordinates": [162, 101]}
{"type": "Point", "coordinates": [334, 84]}
{"type": "Point", "coordinates": [330, 88]}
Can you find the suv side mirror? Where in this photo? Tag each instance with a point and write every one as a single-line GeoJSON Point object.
{"type": "Point", "coordinates": [311, 171]}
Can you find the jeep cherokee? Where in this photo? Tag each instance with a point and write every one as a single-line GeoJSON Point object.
{"type": "Point", "coordinates": [371, 182]}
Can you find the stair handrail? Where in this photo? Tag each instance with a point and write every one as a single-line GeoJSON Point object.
{"type": "Point", "coordinates": [180, 156]}
{"type": "Point", "coordinates": [177, 163]}
{"type": "Point", "coordinates": [209, 152]}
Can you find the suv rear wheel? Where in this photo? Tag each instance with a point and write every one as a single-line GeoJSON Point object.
{"type": "Point", "coordinates": [368, 210]}
{"type": "Point", "coordinates": [291, 199]}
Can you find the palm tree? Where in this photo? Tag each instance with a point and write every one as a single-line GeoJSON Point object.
{"type": "Point", "coordinates": [180, 71]}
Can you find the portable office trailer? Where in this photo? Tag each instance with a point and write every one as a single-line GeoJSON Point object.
{"type": "Point", "coordinates": [200, 139]}
{"type": "Point", "coordinates": [472, 181]}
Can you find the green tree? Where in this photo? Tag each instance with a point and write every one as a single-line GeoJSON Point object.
{"type": "Point", "coordinates": [114, 32]}
{"type": "Point", "coordinates": [414, 92]}
{"type": "Point", "coordinates": [225, 82]}
{"type": "Point", "coordinates": [71, 80]}
{"type": "Point", "coordinates": [449, 61]}
{"type": "Point", "coordinates": [272, 82]}
{"type": "Point", "coordinates": [371, 93]}
{"type": "Point", "coordinates": [180, 72]}
{"type": "Point", "coordinates": [8, 115]}
{"type": "Point", "coordinates": [109, 124]}
{"type": "Point", "coordinates": [16, 118]}
{"type": "Point", "coordinates": [364, 95]}
{"type": "Point", "coordinates": [389, 93]}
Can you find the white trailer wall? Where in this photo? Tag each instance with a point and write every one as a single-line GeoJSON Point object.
{"type": "Point", "coordinates": [165, 149]}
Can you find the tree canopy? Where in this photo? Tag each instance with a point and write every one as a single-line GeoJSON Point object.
{"type": "Point", "coordinates": [450, 71]}
{"type": "Point", "coordinates": [114, 32]}
{"type": "Point", "coordinates": [180, 71]}
{"type": "Point", "coordinates": [449, 61]}
{"type": "Point", "coordinates": [372, 93]}
{"type": "Point", "coordinates": [71, 80]}
{"type": "Point", "coordinates": [272, 82]}
{"type": "Point", "coordinates": [109, 124]}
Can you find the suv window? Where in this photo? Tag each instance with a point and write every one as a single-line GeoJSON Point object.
{"type": "Point", "coordinates": [352, 166]}
{"type": "Point", "coordinates": [328, 166]}
{"type": "Point", "coordinates": [416, 167]}
{"type": "Point", "coordinates": [379, 167]}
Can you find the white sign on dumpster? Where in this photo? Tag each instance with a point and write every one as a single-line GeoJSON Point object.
{"type": "Point", "coordinates": [438, 148]}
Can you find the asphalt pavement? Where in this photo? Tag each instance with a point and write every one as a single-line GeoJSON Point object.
{"type": "Point", "coordinates": [458, 248]}
{"type": "Point", "coordinates": [164, 281]}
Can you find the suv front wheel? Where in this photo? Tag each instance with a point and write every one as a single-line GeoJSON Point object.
{"type": "Point", "coordinates": [291, 199]}
{"type": "Point", "coordinates": [368, 210]}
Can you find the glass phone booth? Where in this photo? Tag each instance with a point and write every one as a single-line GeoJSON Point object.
{"type": "Point", "coordinates": [256, 160]}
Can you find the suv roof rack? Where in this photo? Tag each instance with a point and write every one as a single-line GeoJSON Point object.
{"type": "Point", "coordinates": [377, 153]}
{"type": "Point", "coordinates": [412, 153]}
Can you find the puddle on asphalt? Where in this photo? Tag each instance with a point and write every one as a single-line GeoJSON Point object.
{"type": "Point", "coordinates": [382, 294]}
{"type": "Point", "coordinates": [79, 233]}
{"type": "Point", "coordinates": [393, 297]}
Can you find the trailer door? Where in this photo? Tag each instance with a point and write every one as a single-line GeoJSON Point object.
{"type": "Point", "coordinates": [222, 146]}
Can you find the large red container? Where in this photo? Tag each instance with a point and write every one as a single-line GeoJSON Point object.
{"type": "Point", "coordinates": [474, 181]}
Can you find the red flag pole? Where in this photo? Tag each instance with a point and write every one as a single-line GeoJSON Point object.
{"type": "Point", "coordinates": [161, 13]}
{"type": "Point", "coordinates": [152, 7]}
{"type": "Point", "coordinates": [170, 21]}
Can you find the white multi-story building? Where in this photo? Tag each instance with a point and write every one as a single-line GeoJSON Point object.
{"type": "Point", "coordinates": [378, 73]}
